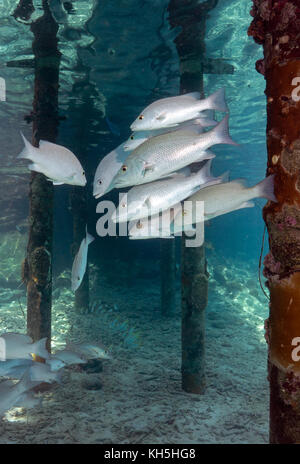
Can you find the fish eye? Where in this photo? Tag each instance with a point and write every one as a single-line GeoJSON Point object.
{"type": "Point", "coordinates": [83, 173]}
{"type": "Point", "coordinates": [78, 278]}
{"type": "Point", "coordinates": [123, 205]}
{"type": "Point", "coordinates": [132, 137]}
{"type": "Point", "coordinates": [99, 181]}
{"type": "Point", "coordinates": [141, 117]}
{"type": "Point", "coordinates": [139, 225]}
{"type": "Point", "coordinates": [124, 168]}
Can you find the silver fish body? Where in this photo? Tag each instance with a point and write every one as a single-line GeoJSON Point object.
{"type": "Point", "coordinates": [107, 169]}
{"type": "Point", "coordinates": [80, 262]}
{"type": "Point", "coordinates": [89, 350]}
{"type": "Point", "coordinates": [171, 111]}
{"type": "Point", "coordinates": [69, 357]}
{"type": "Point", "coordinates": [231, 196]}
{"type": "Point", "coordinates": [56, 162]}
{"type": "Point", "coordinates": [137, 138]}
{"type": "Point", "coordinates": [149, 199]}
{"type": "Point", "coordinates": [169, 152]}
{"type": "Point", "coordinates": [20, 346]}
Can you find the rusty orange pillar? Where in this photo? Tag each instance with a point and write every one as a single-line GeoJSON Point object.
{"type": "Point", "coordinates": [276, 25]}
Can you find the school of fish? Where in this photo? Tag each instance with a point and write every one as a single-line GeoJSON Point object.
{"type": "Point", "coordinates": [165, 161]}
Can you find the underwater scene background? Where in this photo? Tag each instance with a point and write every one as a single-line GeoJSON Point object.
{"type": "Point", "coordinates": [118, 57]}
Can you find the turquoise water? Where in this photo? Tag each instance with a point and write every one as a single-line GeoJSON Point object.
{"type": "Point", "coordinates": [117, 57]}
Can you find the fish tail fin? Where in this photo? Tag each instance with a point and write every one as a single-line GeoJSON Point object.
{"type": "Point", "coordinates": [28, 149]}
{"type": "Point", "coordinates": [39, 348]}
{"type": "Point", "coordinates": [89, 238]}
{"type": "Point", "coordinates": [265, 188]}
{"type": "Point", "coordinates": [217, 101]}
{"type": "Point", "coordinates": [220, 133]}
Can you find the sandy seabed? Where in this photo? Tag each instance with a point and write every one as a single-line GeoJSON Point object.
{"type": "Point", "coordinates": [139, 397]}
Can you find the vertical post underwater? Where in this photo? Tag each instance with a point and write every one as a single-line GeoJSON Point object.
{"type": "Point", "coordinates": [37, 266]}
{"type": "Point", "coordinates": [276, 26]}
{"type": "Point", "coordinates": [79, 205]}
{"type": "Point", "coordinates": [190, 16]}
{"type": "Point", "coordinates": [167, 276]}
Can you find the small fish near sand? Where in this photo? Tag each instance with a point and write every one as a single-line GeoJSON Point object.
{"type": "Point", "coordinates": [56, 162]}
{"type": "Point", "coordinates": [171, 111]}
{"type": "Point", "coordinates": [89, 350]}
{"type": "Point", "coordinates": [69, 357]}
{"type": "Point", "coordinates": [80, 262]}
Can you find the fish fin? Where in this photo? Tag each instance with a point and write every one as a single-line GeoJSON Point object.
{"type": "Point", "coordinates": [46, 144]}
{"type": "Point", "coordinates": [34, 167]}
{"type": "Point", "coordinates": [28, 149]}
{"type": "Point", "coordinates": [246, 204]}
{"type": "Point", "coordinates": [220, 133]}
{"type": "Point", "coordinates": [217, 101]}
{"type": "Point", "coordinates": [241, 181]}
{"type": "Point", "coordinates": [208, 155]}
{"type": "Point", "coordinates": [206, 122]}
{"type": "Point", "coordinates": [55, 182]}
{"type": "Point", "coordinates": [225, 176]}
{"type": "Point", "coordinates": [265, 188]}
{"type": "Point", "coordinates": [162, 116]}
{"type": "Point", "coordinates": [39, 348]}
{"type": "Point", "coordinates": [194, 95]}
{"type": "Point", "coordinates": [88, 237]}
{"type": "Point", "coordinates": [148, 168]}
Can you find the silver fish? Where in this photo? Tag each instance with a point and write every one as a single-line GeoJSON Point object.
{"type": "Point", "coordinates": [89, 350]}
{"type": "Point", "coordinates": [69, 357]}
{"type": "Point", "coordinates": [80, 262]}
{"type": "Point", "coordinates": [137, 138]}
{"type": "Point", "coordinates": [231, 196]}
{"type": "Point", "coordinates": [171, 111]}
{"type": "Point", "coordinates": [107, 169]}
{"type": "Point", "coordinates": [41, 372]}
{"type": "Point", "coordinates": [10, 394]}
{"type": "Point", "coordinates": [55, 364]}
{"type": "Point", "coordinates": [14, 368]}
{"type": "Point", "coordinates": [20, 346]}
{"type": "Point", "coordinates": [149, 199]}
{"type": "Point", "coordinates": [169, 152]}
{"type": "Point", "coordinates": [57, 163]}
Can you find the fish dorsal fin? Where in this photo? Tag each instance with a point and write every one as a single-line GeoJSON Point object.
{"type": "Point", "coordinates": [45, 144]}
{"type": "Point", "coordinates": [240, 181]}
{"type": "Point", "coordinates": [225, 176]}
{"type": "Point", "coordinates": [193, 95]}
